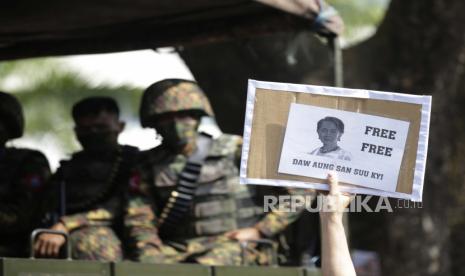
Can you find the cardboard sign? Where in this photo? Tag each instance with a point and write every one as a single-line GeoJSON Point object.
{"type": "Point", "coordinates": [375, 141]}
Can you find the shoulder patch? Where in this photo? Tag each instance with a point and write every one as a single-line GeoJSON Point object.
{"type": "Point", "coordinates": [33, 169]}
{"type": "Point", "coordinates": [135, 181]}
{"type": "Point", "coordinates": [33, 182]}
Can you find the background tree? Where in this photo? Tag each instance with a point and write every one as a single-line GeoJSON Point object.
{"type": "Point", "coordinates": [420, 48]}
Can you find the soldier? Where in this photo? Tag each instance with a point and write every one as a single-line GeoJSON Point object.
{"type": "Point", "coordinates": [23, 174]}
{"type": "Point", "coordinates": [101, 189]}
{"type": "Point", "coordinates": [203, 213]}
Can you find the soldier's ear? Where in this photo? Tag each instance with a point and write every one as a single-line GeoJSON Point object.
{"type": "Point", "coordinates": [121, 126]}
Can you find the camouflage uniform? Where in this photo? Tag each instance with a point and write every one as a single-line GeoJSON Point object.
{"type": "Point", "coordinates": [103, 203]}
{"type": "Point", "coordinates": [219, 203]}
{"type": "Point", "coordinates": [23, 175]}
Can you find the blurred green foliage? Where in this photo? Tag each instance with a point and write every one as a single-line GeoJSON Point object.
{"type": "Point", "coordinates": [361, 17]}
{"type": "Point", "coordinates": [48, 88]}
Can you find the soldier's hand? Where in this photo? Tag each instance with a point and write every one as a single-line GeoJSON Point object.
{"type": "Point", "coordinates": [48, 245]}
{"type": "Point", "coordinates": [244, 234]}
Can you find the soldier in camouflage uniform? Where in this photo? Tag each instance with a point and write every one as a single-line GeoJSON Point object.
{"type": "Point", "coordinates": [102, 192]}
{"type": "Point", "coordinates": [202, 212]}
{"type": "Point", "coordinates": [23, 174]}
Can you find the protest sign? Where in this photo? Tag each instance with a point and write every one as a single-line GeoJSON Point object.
{"type": "Point", "coordinates": [375, 141]}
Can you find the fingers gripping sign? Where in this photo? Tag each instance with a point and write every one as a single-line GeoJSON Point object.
{"type": "Point", "coordinates": [335, 201]}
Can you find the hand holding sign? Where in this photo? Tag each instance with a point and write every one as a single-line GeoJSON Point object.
{"type": "Point", "coordinates": [335, 202]}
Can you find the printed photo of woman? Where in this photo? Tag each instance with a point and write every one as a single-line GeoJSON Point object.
{"type": "Point", "coordinates": [330, 130]}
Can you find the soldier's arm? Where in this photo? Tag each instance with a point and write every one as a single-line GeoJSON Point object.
{"type": "Point", "coordinates": [141, 233]}
{"type": "Point", "coordinates": [25, 207]}
{"type": "Point", "coordinates": [275, 221]}
{"type": "Point", "coordinates": [278, 219]}
{"type": "Point", "coordinates": [50, 244]}
{"type": "Point", "coordinates": [93, 217]}
{"type": "Point", "coordinates": [11, 216]}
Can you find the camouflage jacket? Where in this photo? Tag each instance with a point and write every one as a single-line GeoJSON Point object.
{"type": "Point", "coordinates": [220, 203]}
{"type": "Point", "coordinates": [23, 178]}
{"type": "Point", "coordinates": [103, 190]}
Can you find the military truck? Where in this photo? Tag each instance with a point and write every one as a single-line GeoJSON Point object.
{"type": "Point", "coordinates": [51, 28]}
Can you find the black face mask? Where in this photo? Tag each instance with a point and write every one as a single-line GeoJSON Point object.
{"type": "Point", "coordinates": [99, 141]}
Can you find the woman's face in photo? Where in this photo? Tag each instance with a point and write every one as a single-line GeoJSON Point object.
{"type": "Point", "coordinates": [328, 133]}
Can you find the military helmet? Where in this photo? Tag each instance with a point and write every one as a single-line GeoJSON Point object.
{"type": "Point", "coordinates": [11, 114]}
{"type": "Point", "coordinates": [172, 95]}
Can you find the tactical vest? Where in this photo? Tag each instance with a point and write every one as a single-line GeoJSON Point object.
{"type": "Point", "coordinates": [91, 179]}
{"type": "Point", "coordinates": [220, 204]}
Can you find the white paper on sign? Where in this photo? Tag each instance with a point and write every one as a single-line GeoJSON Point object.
{"type": "Point", "coordinates": [365, 150]}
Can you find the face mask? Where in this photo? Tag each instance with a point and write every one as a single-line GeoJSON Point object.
{"type": "Point", "coordinates": [179, 132]}
{"type": "Point", "coordinates": [98, 141]}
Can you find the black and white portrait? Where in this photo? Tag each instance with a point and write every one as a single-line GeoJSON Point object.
{"type": "Point", "coordinates": [330, 130]}
{"type": "Point", "coordinates": [355, 145]}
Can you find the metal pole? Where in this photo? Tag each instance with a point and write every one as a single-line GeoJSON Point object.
{"type": "Point", "coordinates": [338, 68]}
{"type": "Point", "coordinates": [62, 198]}
{"type": "Point", "coordinates": [335, 45]}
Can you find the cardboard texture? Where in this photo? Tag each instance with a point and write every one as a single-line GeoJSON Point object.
{"type": "Point", "coordinates": [270, 114]}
